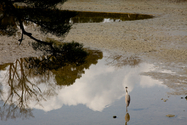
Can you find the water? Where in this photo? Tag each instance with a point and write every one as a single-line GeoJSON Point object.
{"type": "Point", "coordinates": [104, 17]}
{"type": "Point", "coordinates": [94, 92]}
{"type": "Point", "coordinates": [97, 95]}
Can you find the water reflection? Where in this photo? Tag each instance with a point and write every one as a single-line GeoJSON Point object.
{"type": "Point", "coordinates": [98, 17]}
{"type": "Point", "coordinates": [29, 81]}
{"type": "Point", "coordinates": [127, 118]}
{"type": "Point", "coordinates": [94, 86]}
{"type": "Point", "coordinates": [100, 86]}
{"type": "Point", "coordinates": [13, 112]}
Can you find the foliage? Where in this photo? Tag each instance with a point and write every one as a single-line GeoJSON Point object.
{"type": "Point", "coordinates": [53, 21]}
{"type": "Point", "coordinates": [35, 3]}
{"type": "Point", "coordinates": [40, 12]}
{"type": "Point", "coordinates": [60, 54]}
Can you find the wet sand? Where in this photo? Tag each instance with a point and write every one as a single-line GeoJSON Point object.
{"type": "Point", "coordinates": [162, 38]}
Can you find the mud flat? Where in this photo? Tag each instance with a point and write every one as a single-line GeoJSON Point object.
{"type": "Point", "coordinates": [163, 37]}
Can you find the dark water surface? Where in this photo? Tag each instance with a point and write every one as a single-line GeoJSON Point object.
{"type": "Point", "coordinates": [93, 95]}
{"type": "Point", "coordinates": [103, 17]}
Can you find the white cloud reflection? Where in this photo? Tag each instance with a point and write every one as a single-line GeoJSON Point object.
{"type": "Point", "coordinates": [106, 20]}
{"type": "Point", "coordinates": [99, 87]}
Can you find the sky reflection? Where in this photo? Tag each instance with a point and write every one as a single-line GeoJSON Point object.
{"type": "Point", "coordinates": [100, 86]}
{"type": "Point", "coordinates": [98, 95]}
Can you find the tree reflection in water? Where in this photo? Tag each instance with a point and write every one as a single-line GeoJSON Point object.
{"type": "Point", "coordinates": [31, 80]}
{"type": "Point", "coordinates": [35, 79]}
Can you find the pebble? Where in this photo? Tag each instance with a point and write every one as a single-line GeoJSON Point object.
{"type": "Point", "coordinates": [114, 116]}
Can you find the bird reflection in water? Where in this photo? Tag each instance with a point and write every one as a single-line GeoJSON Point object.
{"type": "Point", "coordinates": [127, 101]}
{"type": "Point", "coordinates": [127, 118]}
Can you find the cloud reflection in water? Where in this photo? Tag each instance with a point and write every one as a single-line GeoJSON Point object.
{"type": "Point", "coordinates": [101, 85]}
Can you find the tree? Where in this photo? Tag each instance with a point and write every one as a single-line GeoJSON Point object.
{"type": "Point", "coordinates": [48, 18]}
{"type": "Point", "coordinates": [40, 12]}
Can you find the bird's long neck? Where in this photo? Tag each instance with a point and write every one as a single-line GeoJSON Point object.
{"type": "Point", "coordinates": [126, 91]}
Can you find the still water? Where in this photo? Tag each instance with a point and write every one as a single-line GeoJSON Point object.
{"type": "Point", "coordinates": [92, 93]}
{"type": "Point", "coordinates": [104, 17]}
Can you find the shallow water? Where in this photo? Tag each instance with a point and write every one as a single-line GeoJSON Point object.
{"type": "Point", "coordinates": [104, 17]}
{"type": "Point", "coordinates": [95, 97]}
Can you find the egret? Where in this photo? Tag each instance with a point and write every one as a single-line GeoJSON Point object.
{"type": "Point", "coordinates": [127, 98]}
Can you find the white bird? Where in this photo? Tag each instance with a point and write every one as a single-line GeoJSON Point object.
{"type": "Point", "coordinates": [127, 98]}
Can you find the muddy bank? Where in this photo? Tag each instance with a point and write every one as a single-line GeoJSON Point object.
{"type": "Point", "coordinates": [163, 37]}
